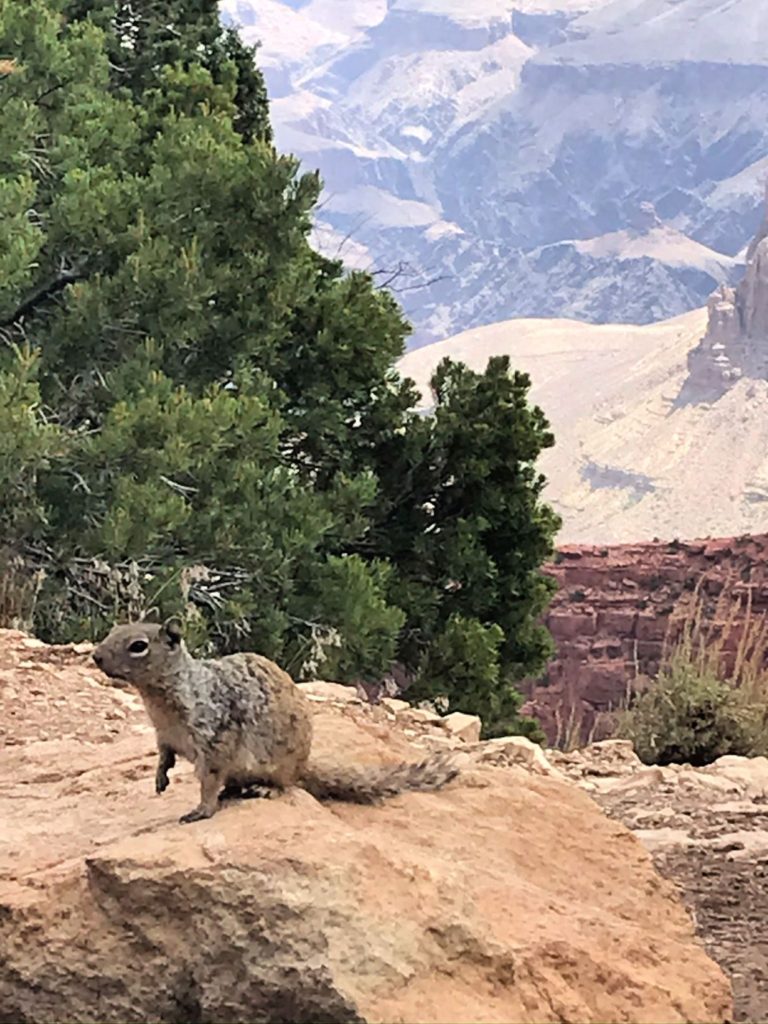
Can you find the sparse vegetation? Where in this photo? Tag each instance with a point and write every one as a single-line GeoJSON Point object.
{"type": "Point", "coordinates": [711, 695]}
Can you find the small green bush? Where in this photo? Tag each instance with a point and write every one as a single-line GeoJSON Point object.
{"type": "Point", "coordinates": [690, 716]}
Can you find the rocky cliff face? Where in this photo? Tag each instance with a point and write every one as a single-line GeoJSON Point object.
{"type": "Point", "coordinates": [661, 431]}
{"type": "Point", "coordinates": [507, 896]}
{"type": "Point", "coordinates": [615, 608]}
{"type": "Point", "coordinates": [736, 342]}
{"type": "Point", "coordinates": [500, 152]}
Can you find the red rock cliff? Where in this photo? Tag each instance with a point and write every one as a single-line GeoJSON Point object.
{"type": "Point", "coordinates": [611, 615]}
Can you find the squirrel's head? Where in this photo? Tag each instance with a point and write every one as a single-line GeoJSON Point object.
{"type": "Point", "coordinates": [141, 653]}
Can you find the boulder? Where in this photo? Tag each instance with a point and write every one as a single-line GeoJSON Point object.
{"type": "Point", "coordinates": [516, 750]}
{"type": "Point", "coordinates": [462, 727]}
{"type": "Point", "coordinates": [395, 705]}
{"type": "Point", "coordinates": [330, 691]}
{"type": "Point", "coordinates": [506, 896]}
{"type": "Point", "coordinates": [750, 774]}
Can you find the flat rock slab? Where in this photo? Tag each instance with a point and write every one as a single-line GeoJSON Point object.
{"type": "Point", "coordinates": [507, 896]}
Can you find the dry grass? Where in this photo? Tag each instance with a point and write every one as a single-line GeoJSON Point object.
{"type": "Point", "coordinates": [711, 694]}
{"type": "Point", "coordinates": [727, 639]}
{"type": "Point", "coordinates": [19, 591]}
{"type": "Point", "coordinates": [577, 726]}
{"type": "Point", "coordinates": [716, 638]}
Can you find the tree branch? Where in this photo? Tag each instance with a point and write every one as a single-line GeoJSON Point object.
{"type": "Point", "coordinates": [405, 270]}
{"type": "Point", "coordinates": [42, 294]}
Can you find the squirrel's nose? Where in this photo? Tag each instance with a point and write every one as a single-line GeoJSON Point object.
{"type": "Point", "coordinates": [98, 658]}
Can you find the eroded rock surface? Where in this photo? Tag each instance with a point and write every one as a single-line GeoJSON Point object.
{"type": "Point", "coordinates": [508, 896]}
{"type": "Point", "coordinates": [707, 830]}
{"type": "Point", "coordinates": [736, 342]}
{"type": "Point", "coordinates": [611, 616]}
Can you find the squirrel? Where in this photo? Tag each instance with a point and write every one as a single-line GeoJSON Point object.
{"type": "Point", "coordinates": [242, 721]}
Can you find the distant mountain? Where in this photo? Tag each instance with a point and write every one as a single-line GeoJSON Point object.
{"type": "Point", "coordinates": [661, 430]}
{"type": "Point", "coordinates": [600, 159]}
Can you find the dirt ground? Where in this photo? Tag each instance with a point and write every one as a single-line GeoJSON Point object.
{"type": "Point", "coordinates": [716, 851]}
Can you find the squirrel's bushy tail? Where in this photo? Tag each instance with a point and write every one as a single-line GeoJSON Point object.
{"type": "Point", "coordinates": [369, 785]}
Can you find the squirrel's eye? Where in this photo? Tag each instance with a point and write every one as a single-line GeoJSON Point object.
{"type": "Point", "coordinates": [138, 647]}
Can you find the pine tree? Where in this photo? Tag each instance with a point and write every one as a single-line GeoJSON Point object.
{"type": "Point", "coordinates": [142, 39]}
{"type": "Point", "coordinates": [202, 414]}
{"type": "Point", "coordinates": [467, 528]}
{"type": "Point", "coordinates": [166, 281]}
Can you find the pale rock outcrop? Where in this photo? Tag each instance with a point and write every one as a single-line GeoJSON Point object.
{"type": "Point", "coordinates": [462, 726]}
{"type": "Point", "coordinates": [736, 342]}
{"type": "Point", "coordinates": [507, 896]}
{"type": "Point", "coordinates": [517, 750]}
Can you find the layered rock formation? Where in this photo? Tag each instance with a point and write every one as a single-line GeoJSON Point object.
{"type": "Point", "coordinates": [508, 896]}
{"type": "Point", "coordinates": [736, 342]}
{"type": "Point", "coordinates": [617, 606]}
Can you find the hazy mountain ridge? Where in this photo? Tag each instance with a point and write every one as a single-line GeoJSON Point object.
{"type": "Point", "coordinates": [480, 146]}
{"type": "Point", "coordinates": [661, 430]}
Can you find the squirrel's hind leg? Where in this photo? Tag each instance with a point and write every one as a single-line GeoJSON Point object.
{"type": "Point", "coordinates": [210, 784]}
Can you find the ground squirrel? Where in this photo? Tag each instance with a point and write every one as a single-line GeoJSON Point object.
{"type": "Point", "coordinates": [241, 720]}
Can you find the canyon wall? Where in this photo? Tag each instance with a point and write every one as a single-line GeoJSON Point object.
{"type": "Point", "coordinates": [615, 609]}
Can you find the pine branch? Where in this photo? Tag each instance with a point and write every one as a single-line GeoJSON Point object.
{"type": "Point", "coordinates": [42, 294]}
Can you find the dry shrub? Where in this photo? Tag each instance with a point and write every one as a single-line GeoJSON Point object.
{"type": "Point", "coordinates": [710, 697]}
{"type": "Point", "coordinates": [19, 593]}
{"type": "Point", "coordinates": [577, 724]}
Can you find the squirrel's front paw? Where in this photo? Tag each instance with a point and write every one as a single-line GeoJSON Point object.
{"type": "Point", "coordinates": [161, 782]}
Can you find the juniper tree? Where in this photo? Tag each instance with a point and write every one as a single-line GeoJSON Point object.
{"type": "Point", "coordinates": [210, 407]}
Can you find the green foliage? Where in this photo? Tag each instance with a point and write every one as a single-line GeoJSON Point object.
{"type": "Point", "coordinates": [466, 525]}
{"type": "Point", "coordinates": [690, 716]}
{"type": "Point", "coordinates": [463, 664]}
{"type": "Point", "coordinates": [200, 415]}
{"type": "Point", "coordinates": [28, 444]}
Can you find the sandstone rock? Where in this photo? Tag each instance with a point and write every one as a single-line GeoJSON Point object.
{"type": "Point", "coordinates": [750, 774]}
{"type": "Point", "coordinates": [656, 839]}
{"type": "Point", "coordinates": [463, 727]}
{"type": "Point", "coordinates": [514, 899]}
{"type": "Point", "coordinates": [617, 622]}
{"type": "Point", "coordinates": [438, 740]}
{"type": "Point", "coordinates": [330, 691]}
{"type": "Point", "coordinates": [516, 750]}
{"type": "Point", "coordinates": [395, 705]}
{"type": "Point", "coordinates": [701, 781]}
{"type": "Point", "coordinates": [616, 751]}
{"type": "Point", "coordinates": [741, 845]}
{"type": "Point", "coordinates": [651, 777]}
{"type": "Point", "coordinates": [734, 345]}
{"type": "Point", "coordinates": [610, 757]}
{"type": "Point", "coordinates": [572, 624]}
{"type": "Point", "coordinates": [602, 682]}
{"type": "Point", "coordinates": [423, 715]}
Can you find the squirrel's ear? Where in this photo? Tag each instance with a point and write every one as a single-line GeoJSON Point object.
{"type": "Point", "coordinates": [173, 632]}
